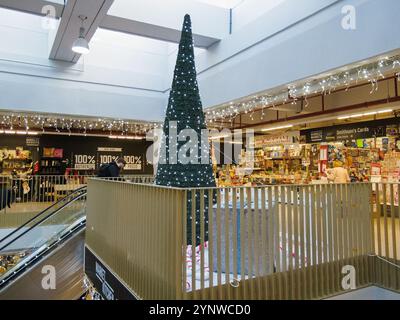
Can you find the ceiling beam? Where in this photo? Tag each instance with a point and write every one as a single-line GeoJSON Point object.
{"type": "Point", "coordinates": [152, 31]}
{"type": "Point", "coordinates": [162, 20]}
{"type": "Point", "coordinates": [155, 19]}
{"type": "Point", "coordinates": [68, 30]}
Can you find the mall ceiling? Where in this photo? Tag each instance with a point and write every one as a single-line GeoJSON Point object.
{"type": "Point", "coordinates": [107, 14]}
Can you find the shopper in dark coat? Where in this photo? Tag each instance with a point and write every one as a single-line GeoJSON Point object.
{"type": "Point", "coordinates": [6, 198]}
{"type": "Point", "coordinates": [112, 170]}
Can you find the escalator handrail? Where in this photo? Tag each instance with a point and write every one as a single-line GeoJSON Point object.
{"type": "Point", "coordinates": [43, 212]}
{"type": "Point", "coordinates": [42, 220]}
{"type": "Point", "coordinates": [45, 218]}
{"type": "Point", "coordinates": [39, 251]}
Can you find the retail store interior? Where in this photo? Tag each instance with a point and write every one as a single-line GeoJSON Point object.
{"type": "Point", "coordinates": [198, 149]}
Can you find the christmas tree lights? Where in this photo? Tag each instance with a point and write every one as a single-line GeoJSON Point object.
{"type": "Point", "coordinates": [185, 112]}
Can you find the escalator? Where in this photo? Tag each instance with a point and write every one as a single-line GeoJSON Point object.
{"type": "Point", "coordinates": [43, 258]}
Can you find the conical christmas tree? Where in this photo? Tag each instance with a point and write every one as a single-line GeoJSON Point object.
{"type": "Point", "coordinates": [181, 163]}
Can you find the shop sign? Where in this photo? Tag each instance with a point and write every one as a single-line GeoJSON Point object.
{"type": "Point", "coordinates": [88, 161]}
{"type": "Point", "coordinates": [107, 158]}
{"type": "Point", "coordinates": [85, 156]}
{"type": "Point", "coordinates": [32, 142]}
{"type": "Point", "coordinates": [107, 149]}
{"type": "Point", "coordinates": [133, 163]}
{"type": "Point", "coordinates": [356, 131]}
{"type": "Point", "coordinates": [316, 136]}
{"type": "Point", "coordinates": [392, 130]}
{"type": "Point", "coordinates": [274, 140]}
{"type": "Point", "coordinates": [84, 162]}
{"type": "Point", "coordinates": [352, 133]}
{"type": "Point", "coordinates": [330, 135]}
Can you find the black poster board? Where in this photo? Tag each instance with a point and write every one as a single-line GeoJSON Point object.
{"type": "Point", "coordinates": [86, 154]}
{"type": "Point", "coordinates": [104, 281]}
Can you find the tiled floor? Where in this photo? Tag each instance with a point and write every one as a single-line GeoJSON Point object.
{"type": "Point", "coordinates": [370, 293]}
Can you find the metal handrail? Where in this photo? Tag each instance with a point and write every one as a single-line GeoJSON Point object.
{"type": "Point", "coordinates": [43, 212]}
{"type": "Point", "coordinates": [42, 220]}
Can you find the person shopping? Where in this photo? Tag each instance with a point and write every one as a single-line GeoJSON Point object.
{"type": "Point", "coordinates": [338, 174]}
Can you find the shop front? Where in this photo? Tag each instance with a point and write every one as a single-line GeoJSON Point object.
{"type": "Point", "coordinates": [369, 151]}
{"type": "Point", "coordinates": [60, 154]}
{"type": "Point", "coordinates": [38, 170]}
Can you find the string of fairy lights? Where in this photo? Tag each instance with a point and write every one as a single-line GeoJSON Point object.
{"type": "Point", "coordinates": [370, 73]}
{"type": "Point", "coordinates": [64, 124]}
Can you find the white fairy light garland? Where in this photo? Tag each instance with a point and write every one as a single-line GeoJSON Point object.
{"type": "Point", "coordinates": [370, 73]}
{"type": "Point", "coordinates": [67, 124]}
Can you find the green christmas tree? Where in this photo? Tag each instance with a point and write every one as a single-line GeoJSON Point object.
{"type": "Point", "coordinates": [185, 112]}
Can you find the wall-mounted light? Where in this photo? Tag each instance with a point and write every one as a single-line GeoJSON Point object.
{"type": "Point", "coordinates": [81, 45]}
{"type": "Point", "coordinates": [20, 132]}
{"type": "Point", "coordinates": [126, 137]}
{"type": "Point", "coordinates": [360, 115]}
{"type": "Point", "coordinates": [277, 128]}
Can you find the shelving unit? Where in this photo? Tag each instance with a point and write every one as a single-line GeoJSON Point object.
{"type": "Point", "coordinates": [365, 160]}
{"type": "Point", "coordinates": [278, 159]}
{"type": "Point", "coordinates": [14, 164]}
{"type": "Point", "coordinates": [50, 166]}
{"type": "Point", "coordinates": [14, 159]}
